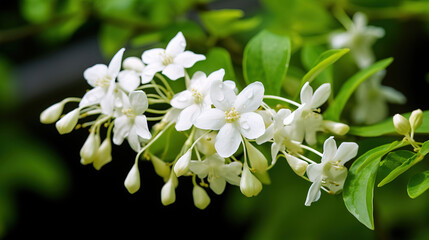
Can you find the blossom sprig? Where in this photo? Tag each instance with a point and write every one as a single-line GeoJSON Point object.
{"type": "Point", "coordinates": [132, 100]}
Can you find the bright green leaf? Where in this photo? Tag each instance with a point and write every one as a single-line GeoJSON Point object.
{"type": "Point", "coordinates": [112, 38]}
{"type": "Point", "coordinates": [392, 161]}
{"type": "Point", "coordinates": [266, 59]}
{"type": "Point", "coordinates": [418, 184]}
{"type": "Point", "coordinates": [216, 59]}
{"type": "Point", "coordinates": [386, 127]}
{"type": "Point", "coordinates": [38, 11]}
{"type": "Point", "coordinates": [309, 57]}
{"type": "Point", "coordinates": [336, 107]}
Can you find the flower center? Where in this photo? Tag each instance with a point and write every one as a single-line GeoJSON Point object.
{"type": "Point", "coordinates": [167, 59]}
{"type": "Point", "coordinates": [231, 115]}
{"type": "Point", "coordinates": [198, 97]}
{"type": "Point", "coordinates": [128, 112]}
{"type": "Point", "coordinates": [103, 82]}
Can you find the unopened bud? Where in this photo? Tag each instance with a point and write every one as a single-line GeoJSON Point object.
{"type": "Point", "coordinates": [298, 166]}
{"type": "Point", "coordinates": [161, 168]}
{"type": "Point", "coordinates": [67, 123]}
{"type": "Point", "coordinates": [416, 119]}
{"type": "Point", "coordinates": [182, 165]}
{"type": "Point", "coordinates": [104, 154]}
{"type": "Point", "coordinates": [336, 127]}
{"type": "Point", "coordinates": [52, 113]}
{"type": "Point", "coordinates": [132, 182]}
{"type": "Point", "coordinates": [249, 185]}
{"type": "Point", "coordinates": [168, 191]}
{"type": "Point", "coordinates": [257, 160]}
{"type": "Point", "coordinates": [133, 63]}
{"type": "Point", "coordinates": [89, 150]}
{"type": "Point", "coordinates": [201, 198]}
{"type": "Point", "coordinates": [402, 125]}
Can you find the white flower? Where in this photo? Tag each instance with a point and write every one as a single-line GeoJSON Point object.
{"type": "Point", "coordinates": [129, 78]}
{"type": "Point", "coordinates": [249, 185]}
{"type": "Point", "coordinates": [306, 122]}
{"type": "Point", "coordinates": [132, 124]}
{"type": "Point", "coordinates": [233, 116]}
{"type": "Point", "coordinates": [132, 181]}
{"type": "Point", "coordinates": [172, 60]}
{"type": "Point", "coordinates": [102, 78]}
{"type": "Point", "coordinates": [217, 171]}
{"type": "Point", "coordinates": [372, 100]}
{"type": "Point", "coordinates": [201, 198]}
{"type": "Point", "coordinates": [331, 172]}
{"type": "Point", "coordinates": [359, 38]}
{"type": "Point", "coordinates": [195, 99]}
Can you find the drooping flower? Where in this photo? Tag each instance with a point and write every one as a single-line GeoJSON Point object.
{"type": "Point", "coordinates": [131, 123]}
{"type": "Point", "coordinates": [359, 37]}
{"type": "Point", "coordinates": [233, 116]}
{"type": "Point", "coordinates": [172, 60]}
{"type": "Point", "coordinates": [200, 196]}
{"type": "Point", "coordinates": [103, 80]}
{"type": "Point", "coordinates": [331, 172]}
{"type": "Point", "coordinates": [195, 99]}
{"type": "Point", "coordinates": [217, 172]}
{"type": "Point", "coordinates": [67, 123]}
{"type": "Point", "coordinates": [249, 185]}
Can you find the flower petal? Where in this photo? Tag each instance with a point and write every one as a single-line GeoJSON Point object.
{"type": "Point", "coordinates": [176, 45]}
{"type": "Point", "coordinates": [227, 140]}
{"type": "Point", "coordinates": [188, 59]}
{"type": "Point", "coordinates": [268, 134]}
{"type": "Point", "coordinates": [329, 149]}
{"type": "Point", "coordinates": [340, 40]}
{"type": "Point", "coordinates": [250, 98]}
{"type": "Point", "coordinates": [108, 102]}
{"type": "Point", "coordinates": [217, 75]}
{"type": "Point", "coordinates": [313, 193]}
{"type": "Point", "coordinates": [92, 97]}
{"type": "Point", "coordinates": [174, 71]}
{"type": "Point", "coordinates": [346, 151]}
{"type": "Point", "coordinates": [121, 129]}
{"type": "Point", "coordinates": [92, 74]}
{"type": "Point", "coordinates": [115, 64]}
{"type": "Point", "coordinates": [392, 95]}
{"type": "Point", "coordinates": [306, 93]}
{"type": "Point", "coordinates": [138, 102]}
{"type": "Point", "coordinates": [182, 100]}
{"type": "Point", "coordinates": [152, 56]}
{"type": "Point", "coordinates": [251, 125]}
{"type": "Point", "coordinates": [133, 140]}
{"type": "Point", "coordinates": [129, 80]}
{"type": "Point", "coordinates": [212, 119]}
{"type": "Point", "coordinates": [222, 96]}
{"type": "Point", "coordinates": [314, 171]}
{"type": "Point", "coordinates": [141, 128]}
{"type": "Point", "coordinates": [321, 95]}
{"type": "Point", "coordinates": [187, 117]}
{"type": "Point", "coordinates": [217, 184]}
{"type": "Point", "coordinates": [199, 168]}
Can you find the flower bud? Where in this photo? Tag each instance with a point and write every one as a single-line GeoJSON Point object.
{"type": "Point", "coordinates": [133, 63]}
{"type": "Point", "coordinates": [201, 198]}
{"type": "Point", "coordinates": [336, 127]}
{"type": "Point", "coordinates": [206, 144]}
{"type": "Point", "coordinates": [298, 166]}
{"type": "Point", "coordinates": [249, 184]}
{"type": "Point", "coordinates": [168, 191]}
{"type": "Point", "coordinates": [132, 182]}
{"type": "Point", "coordinates": [67, 123]}
{"type": "Point", "coordinates": [161, 168]}
{"type": "Point", "coordinates": [402, 125]}
{"type": "Point", "coordinates": [416, 119]}
{"type": "Point", "coordinates": [104, 154]}
{"type": "Point", "coordinates": [88, 152]}
{"type": "Point", "coordinates": [182, 165]}
{"type": "Point", "coordinates": [52, 113]}
{"type": "Point", "coordinates": [256, 158]}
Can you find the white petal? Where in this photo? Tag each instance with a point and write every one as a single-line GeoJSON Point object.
{"type": "Point", "coordinates": [360, 20]}
{"type": "Point", "coordinates": [321, 95]}
{"type": "Point", "coordinates": [182, 165]}
{"type": "Point", "coordinates": [92, 74]}
{"type": "Point", "coordinates": [340, 40]}
{"type": "Point", "coordinates": [132, 182]}
{"type": "Point", "coordinates": [188, 59]}
{"type": "Point", "coordinates": [227, 140]}
{"type": "Point", "coordinates": [275, 149]}
{"type": "Point", "coordinates": [346, 151]}
{"type": "Point", "coordinates": [133, 139]}
{"type": "Point", "coordinates": [141, 127]}
{"type": "Point", "coordinates": [306, 93]}
{"type": "Point", "coordinates": [174, 71]}
{"type": "Point", "coordinates": [231, 171]}
{"type": "Point", "coordinates": [329, 149]}
{"type": "Point", "coordinates": [250, 98]}
{"type": "Point", "coordinates": [115, 64]}
{"type": "Point", "coordinates": [108, 102]}
{"type": "Point", "coordinates": [313, 193]}
{"type": "Point", "coordinates": [92, 97]}
{"type": "Point", "coordinates": [138, 102]}
{"type": "Point", "coordinates": [363, 56]}
{"type": "Point", "coordinates": [268, 134]}
{"type": "Point", "coordinates": [133, 63]}
{"type": "Point", "coordinates": [199, 168]}
{"type": "Point", "coordinates": [212, 119]}
{"type": "Point", "coordinates": [222, 96]}
{"type": "Point", "coordinates": [182, 99]}
{"type": "Point", "coordinates": [392, 95]}
{"type": "Point", "coordinates": [121, 129]}
{"type": "Point", "coordinates": [314, 171]}
{"type": "Point", "coordinates": [217, 75]}
{"type": "Point", "coordinates": [251, 125]}
{"type": "Point", "coordinates": [217, 185]}
{"type": "Point", "coordinates": [152, 56]}
{"type": "Point", "coordinates": [187, 117]}
{"type": "Point", "coordinates": [129, 80]}
{"type": "Point", "coordinates": [176, 45]}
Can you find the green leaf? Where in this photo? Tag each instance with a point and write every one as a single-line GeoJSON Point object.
{"type": "Point", "coordinates": [224, 22]}
{"type": "Point", "coordinates": [216, 59]}
{"type": "Point", "coordinates": [112, 38]}
{"type": "Point", "coordinates": [386, 127]}
{"type": "Point", "coordinates": [418, 184]}
{"type": "Point", "coordinates": [392, 161]}
{"type": "Point", "coordinates": [309, 56]}
{"type": "Point", "coordinates": [166, 147]}
{"type": "Point", "coordinates": [358, 191]}
{"type": "Point", "coordinates": [38, 11]}
{"type": "Point", "coordinates": [325, 60]}
{"type": "Point", "coordinates": [411, 161]}
{"type": "Point", "coordinates": [336, 107]}
{"type": "Point", "coordinates": [266, 59]}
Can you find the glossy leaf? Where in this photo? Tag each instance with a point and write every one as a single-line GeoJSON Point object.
{"type": "Point", "coordinates": [266, 59]}
{"type": "Point", "coordinates": [336, 107]}
{"type": "Point", "coordinates": [309, 57]}
{"type": "Point", "coordinates": [418, 184]}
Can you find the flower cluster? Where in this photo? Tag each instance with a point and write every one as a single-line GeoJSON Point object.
{"type": "Point", "coordinates": [222, 126]}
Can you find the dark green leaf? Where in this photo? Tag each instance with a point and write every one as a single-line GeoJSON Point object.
{"type": "Point", "coordinates": [336, 107]}
{"type": "Point", "coordinates": [418, 184]}
{"type": "Point", "coordinates": [112, 38]}
{"type": "Point", "coordinates": [216, 59]}
{"type": "Point", "coordinates": [266, 59]}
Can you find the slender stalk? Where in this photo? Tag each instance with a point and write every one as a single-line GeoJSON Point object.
{"type": "Point", "coordinates": [282, 99]}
